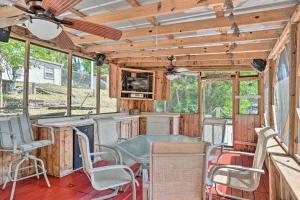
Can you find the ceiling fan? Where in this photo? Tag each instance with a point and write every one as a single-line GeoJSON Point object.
{"type": "Point", "coordinates": [41, 19]}
{"type": "Point", "coordinates": [172, 71]}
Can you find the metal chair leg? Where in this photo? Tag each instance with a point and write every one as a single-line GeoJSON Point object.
{"type": "Point", "coordinates": [44, 170]}
{"type": "Point", "coordinates": [36, 169]}
{"type": "Point", "coordinates": [133, 190]}
{"type": "Point", "coordinates": [15, 179]}
{"type": "Point", "coordinates": [8, 176]}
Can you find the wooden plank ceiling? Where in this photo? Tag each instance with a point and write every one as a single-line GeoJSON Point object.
{"type": "Point", "coordinates": [197, 32]}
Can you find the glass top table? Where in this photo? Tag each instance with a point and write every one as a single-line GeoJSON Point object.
{"type": "Point", "coordinates": [138, 148]}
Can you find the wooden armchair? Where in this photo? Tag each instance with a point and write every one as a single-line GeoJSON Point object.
{"type": "Point", "coordinates": [177, 171]}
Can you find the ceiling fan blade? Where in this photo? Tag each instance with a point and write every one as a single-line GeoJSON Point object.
{"type": "Point", "coordinates": [59, 6]}
{"type": "Point", "coordinates": [64, 41]}
{"type": "Point", "coordinates": [12, 21]}
{"type": "Point", "coordinates": [94, 29]}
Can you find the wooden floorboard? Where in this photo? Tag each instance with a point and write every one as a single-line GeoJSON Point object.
{"type": "Point", "coordinates": [76, 186]}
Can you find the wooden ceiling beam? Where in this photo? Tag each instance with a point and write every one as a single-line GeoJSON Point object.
{"type": "Point", "coordinates": [295, 18]}
{"type": "Point", "coordinates": [191, 63]}
{"type": "Point", "coordinates": [151, 10]}
{"type": "Point", "coordinates": [224, 56]}
{"type": "Point", "coordinates": [222, 68]}
{"type": "Point", "coordinates": [152, 20]}
{"type": "Point", "coordinates": [277, 15]}
{"type": "Point", "coordinates": [211, 39]}
{"type": "Point", "coordinates": [266, 46]}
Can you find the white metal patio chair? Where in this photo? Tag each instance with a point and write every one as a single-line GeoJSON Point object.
{"type": "Point", "coordinates": [107, 177]}
{"type": "Point", "coordinates": [108, 139]}
{"type": "Point", "coordinates": [177, 171]}
{"type": "Point", "coordinates": [16, 137]}
{"type": "Point", "coordinates": [239, 177]}
{"type": "Point", "coordinates": [213, 131]}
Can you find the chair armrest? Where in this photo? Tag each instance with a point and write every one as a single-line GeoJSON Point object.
{"type": "Point", "coordinates": [114, 150]}
{"type": "Point", "coordinates": [112, 167]}
{"type": "Point", "coordinates": [234, 167]}
{"type": "Point", "coordinates": [50, 128]}
{"type": "Point", "coordinates": [122, 139]}
{"type": "Point", "coordinates": [239, 153]}
{"type": "Point", "coordinates": [103, 153]}
{"type": "Point", "coordinates": [212, 147]}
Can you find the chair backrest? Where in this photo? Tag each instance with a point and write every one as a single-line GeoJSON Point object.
{"type": "Point", "coordinates": [6, 141]}
{"type": "Point", "coordinates": [85, 151]}
{"type": "Point", "coordinates": [214, 130]}
{"type": "Point", "coordinates": [107, 133]}
{"type": "Point", "coordinates": [178, 170]}
{"type": "Point", "coordinates": [261, 150]}
{"type": "Point", "coordinates": [21, 128]}
{"type": "Point", "coordinates": [158, 125]}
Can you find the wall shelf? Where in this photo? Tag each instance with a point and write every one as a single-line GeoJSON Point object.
{"type": "Point", "coordinates": [136, 84]}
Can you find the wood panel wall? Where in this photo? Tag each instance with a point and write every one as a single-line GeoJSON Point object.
{"type": "Point", "coordinates": [143, 106]}
{"type": "Point", "coordinates": [190, 125]}
{"type": "Point", "coordinates": [244, 134]}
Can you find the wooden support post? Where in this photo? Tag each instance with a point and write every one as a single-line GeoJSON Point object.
{"type": "Point", "coordinates": [261, 100]}
{"type": "Point", "coordinates": [297, 120]}
{"type": "Point", "coordinates": [98, 90]}
{"type": "Point", "coordinates": [292, 88]}
{"type": "Point", "coordinates": [69, 85]}
{"type": "Point", "coordinates": [200, 104]}
{"type": "Point", "coordinates": [26, 77]}
{"type": "Point", "coordinates": [271, 92]}
{"type": "Point", "coordinates": [235, 102]}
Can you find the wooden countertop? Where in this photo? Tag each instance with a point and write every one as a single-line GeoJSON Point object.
{"type": "Point", "coordinates": [79, 121]}
{"type": "Point", "coordinates": [68, 123]}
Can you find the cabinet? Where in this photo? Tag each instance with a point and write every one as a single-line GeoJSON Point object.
{"type": "Point", "coordinates": [128, 127]}
{"type": "Point", "coordinates": [58, 158]}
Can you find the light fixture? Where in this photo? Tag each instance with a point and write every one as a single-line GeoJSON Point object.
{"type": "Point", "coordinates": [171, 77]}
{"type": "Point", "coordinates": [43, 29]}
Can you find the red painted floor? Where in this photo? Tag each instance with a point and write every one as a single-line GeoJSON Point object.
{"type": "Point", "coordinates": [77, 186]}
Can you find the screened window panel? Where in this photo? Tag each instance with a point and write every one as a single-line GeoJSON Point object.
{"type": "Point", "coordinates": [184, 95]}
{"type": "Point", "coordinates": [47, 81]}
{"type": "Point", "coordinates": [282, 96]}
{"type": "Point", "coordinates": [248, 106]}
{"type": "Point", "coordinates": [107, 104]}
{"type": "Point", "coordinates": [12, 56]}
{"type": "Point", "coordinates": [83, 86]}
{"type": "Point", "coordinates": [266, 100]}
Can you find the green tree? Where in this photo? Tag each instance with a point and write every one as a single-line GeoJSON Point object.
{"type": "Point", "coordinates": [11, 60]}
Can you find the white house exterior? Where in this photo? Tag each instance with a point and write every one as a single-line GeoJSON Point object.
{"type": "Point", "coordinates": [40, 71]}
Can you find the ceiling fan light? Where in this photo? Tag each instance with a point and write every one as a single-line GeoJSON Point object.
{"type": "Point", "coordinates": [171, 77]}
{"type": "Point", "coordinates": [43, 29]}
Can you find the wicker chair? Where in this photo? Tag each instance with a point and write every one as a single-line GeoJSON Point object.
{"type": "Point", "coordinates": [107, 177]}
{"type": "Point", "coordinates": [177, 171]}
{"type": "Point", "coordinates": [16, 137]}
{"type": "Point", "coordinates": [239, 177]}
